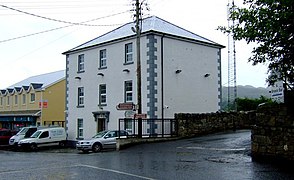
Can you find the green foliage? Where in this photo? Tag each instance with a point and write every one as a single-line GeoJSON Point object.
{"type": "Point", "coordinates": [269, 23]}
{"type": "Point", "coordinates": [246, 104]}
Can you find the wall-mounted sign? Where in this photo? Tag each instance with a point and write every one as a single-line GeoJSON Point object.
{"type": "Point", "coordinates": [277, 92]}
{"type": "Point", "coordinates": [44, 104]}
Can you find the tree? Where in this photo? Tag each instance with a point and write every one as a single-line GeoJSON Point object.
{"type": "Point", "coordinates": [270, 24]}
{"type": "Point", "coordinates": [247, 104]}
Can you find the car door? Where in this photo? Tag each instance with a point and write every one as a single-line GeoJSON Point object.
{"type": "Point", "coordinates": [43, 139]}
{"type": "Point", "coordinates": [110, 139]}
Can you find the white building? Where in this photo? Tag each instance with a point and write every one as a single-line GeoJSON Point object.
{"type": "Point", "coordinates": [181, 72]}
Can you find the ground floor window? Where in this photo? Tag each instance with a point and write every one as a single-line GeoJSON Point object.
{"type": "Point", "coordinates": [80, 129]}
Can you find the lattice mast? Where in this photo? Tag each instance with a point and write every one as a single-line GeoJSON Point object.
{"type": "Point", "coordinates": [232, 81]}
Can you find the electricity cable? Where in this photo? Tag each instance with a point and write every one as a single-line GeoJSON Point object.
{"type": "Point", "coordinates": [47, 18]}
{"type": "Point", "coordinates": [41, 32]}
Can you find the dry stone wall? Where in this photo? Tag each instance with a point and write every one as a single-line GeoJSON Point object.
{"type": "Point", "coordinates": [190, 125]}
{"type": "Point", "coordinates": [273, 133]}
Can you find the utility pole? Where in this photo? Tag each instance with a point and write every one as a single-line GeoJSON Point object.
{"type": "Point", "coordinates": [139, 96]}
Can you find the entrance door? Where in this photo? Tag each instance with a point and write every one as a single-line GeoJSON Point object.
{"type": "Point", "coordinates": [101, 124]}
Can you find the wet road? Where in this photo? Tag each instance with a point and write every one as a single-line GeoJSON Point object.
{"type": "Point", "coordinates": [216, 157]}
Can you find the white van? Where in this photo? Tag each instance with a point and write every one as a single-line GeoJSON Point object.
{"type": "Point", "coordinates": [44, 137]}
{"type": "Point", "coordinates": [24, 132]}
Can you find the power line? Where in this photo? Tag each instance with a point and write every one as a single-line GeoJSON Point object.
{"type": "Point", "coordinates": [41, 32]}
{"type": "Point", "coordinates": [51, 19]}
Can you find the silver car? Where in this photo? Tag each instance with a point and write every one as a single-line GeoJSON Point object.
{"type": "Point", "coordinates": [102, 140]}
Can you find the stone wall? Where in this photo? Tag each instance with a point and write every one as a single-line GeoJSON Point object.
{"type": "Point", "coordinates": [190, 125]}
{"type": "Point", "coordinates": [273, 133]}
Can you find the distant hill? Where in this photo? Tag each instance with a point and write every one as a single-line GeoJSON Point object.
{"type": "Point", "coordinates": [248, 91]}
{"type": "Point", "coordinates": [245, 92]}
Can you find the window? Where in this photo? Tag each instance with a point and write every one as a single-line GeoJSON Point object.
{"type": "Point", "coordinates": [33, 97]}
{"type": "Point", "coordinates": [129, 53]}
{"type": "Point", "coordinates": [15, 99]}
{"type": "Point", "coordinates": [102, 58]}
{"type": "Point", "coordinates": [8, 100]}
{"type": "Point", "coordinates": [45, 134]}
{"type": "Point", "coordinates": [81, 96]}
{"type": "Point", "coordinates": [24, 98]}
{"type": "Point", "coordinates": [102, 94]}
{"type": "Point", "coordinates": [81, 63]}
{"type": "Point", "coordinates": [80, 133]}
{"type": "Point", "coordinates": [1, 101]}
{"type": "Point", "coordinates": [128, 91]}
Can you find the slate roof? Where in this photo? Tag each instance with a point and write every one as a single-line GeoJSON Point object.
{"type": "Point", "coordinates": [149, 24]}
{"type": "Point", "coordinates": [44, 79]}
{"type": "Point", "coordinates": [36, 82]}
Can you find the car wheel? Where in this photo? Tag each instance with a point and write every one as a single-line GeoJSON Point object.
{"type": "Point", "coordinates": [96, 147]}
{"type": "Point", "coordinates": [33, 147]}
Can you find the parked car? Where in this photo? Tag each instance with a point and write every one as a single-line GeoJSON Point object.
{"type": "Point", "coordinates": [102, 140]}
{"type": "Point", "coordinates": [44, 137]}
{"type": "Point", "coordinates": [5, 135]}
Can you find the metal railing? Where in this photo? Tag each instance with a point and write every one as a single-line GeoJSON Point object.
{"type": "Point", "coordinates": [150, 127]}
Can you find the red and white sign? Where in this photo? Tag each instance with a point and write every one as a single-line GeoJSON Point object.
{"type": "Point", "coordinates": [142, 116]}
{"type": "Point", "coordinates": [125, 106]}
{"type": "Point", "coordinates": [44, 104]}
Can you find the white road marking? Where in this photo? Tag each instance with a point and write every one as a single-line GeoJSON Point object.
{"type": "Point", "coordinates": [115, 171]}
{"type": "Point", "coordinates": [213, 149]}
{"type": "Point", "coordinates": [78, 165]}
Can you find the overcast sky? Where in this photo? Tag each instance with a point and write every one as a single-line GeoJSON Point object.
{"type": "Point", "coordinates": [38, 54]}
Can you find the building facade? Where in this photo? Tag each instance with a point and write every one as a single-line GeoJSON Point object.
{"type": "Point", "coordinates": [37, 101]}
{"type": "Point", "coordinates": [180, 72]}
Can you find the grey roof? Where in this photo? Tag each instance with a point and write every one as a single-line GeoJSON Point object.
{"type": "Point", "coordinates": [152, 23]}
{"type": "Point", "coordinates": [42, 80]}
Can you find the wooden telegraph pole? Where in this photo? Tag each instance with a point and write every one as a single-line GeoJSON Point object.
{"type": "Point", "coordinates": [139, 97]}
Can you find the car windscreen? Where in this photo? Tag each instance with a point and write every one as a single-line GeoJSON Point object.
{"type": "Point", "coordinates": [36, 134]}
{"type": "Point", "coordinates": [23, 131]}
{"type": "Point", "coordinates": [100, 134]}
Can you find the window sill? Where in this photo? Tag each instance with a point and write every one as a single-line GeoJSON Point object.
{"type": "Point", "coordinates": [80, 106]}
{"type": "Point", "coordinates": [100, 68]}
{"type": "Point", "coordinates": [80, 71]}
{"type": "Point", "coordinates": [128, 63]}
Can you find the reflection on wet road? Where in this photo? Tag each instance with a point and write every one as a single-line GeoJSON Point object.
{"type": "Point", "coordinates": [216, 157]}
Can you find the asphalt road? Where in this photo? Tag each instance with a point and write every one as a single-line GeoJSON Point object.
{"type": "Point", "coordinates": [214, 157]}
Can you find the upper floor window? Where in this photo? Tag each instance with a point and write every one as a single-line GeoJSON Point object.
{"type": "Point", "coordinates": [129, 53]}
{"type": "Point", "coordinates": [33, 97]}
{"type": "Point", "coordinates": [81, 96]}
{"type": "Point", "coordinates": [24, 98]}
{"type": "Point", "coordinates": [1, 101]}
{"type": "Point", "coordinates": [102, 94]}
{"type": "Point", "coordinates": [128, 91]}
{"type": "Point", "coordinates": [81, 63]}
{"type": "Point", "coordinates": [102, 59]}
{"type": "Point", "coordinates": [15, 99]}
{"type": "Point", "coordinates": [8, 100]}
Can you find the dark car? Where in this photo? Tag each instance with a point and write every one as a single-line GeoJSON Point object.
{"type": "Point", "coordinates": [5, 135]}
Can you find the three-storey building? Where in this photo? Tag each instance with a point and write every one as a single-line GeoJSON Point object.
{"type": "Point", "coordinates": [180, 72]}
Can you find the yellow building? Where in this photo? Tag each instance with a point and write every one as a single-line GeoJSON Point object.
{"type": "Point", "coordinates": [38, 101]}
